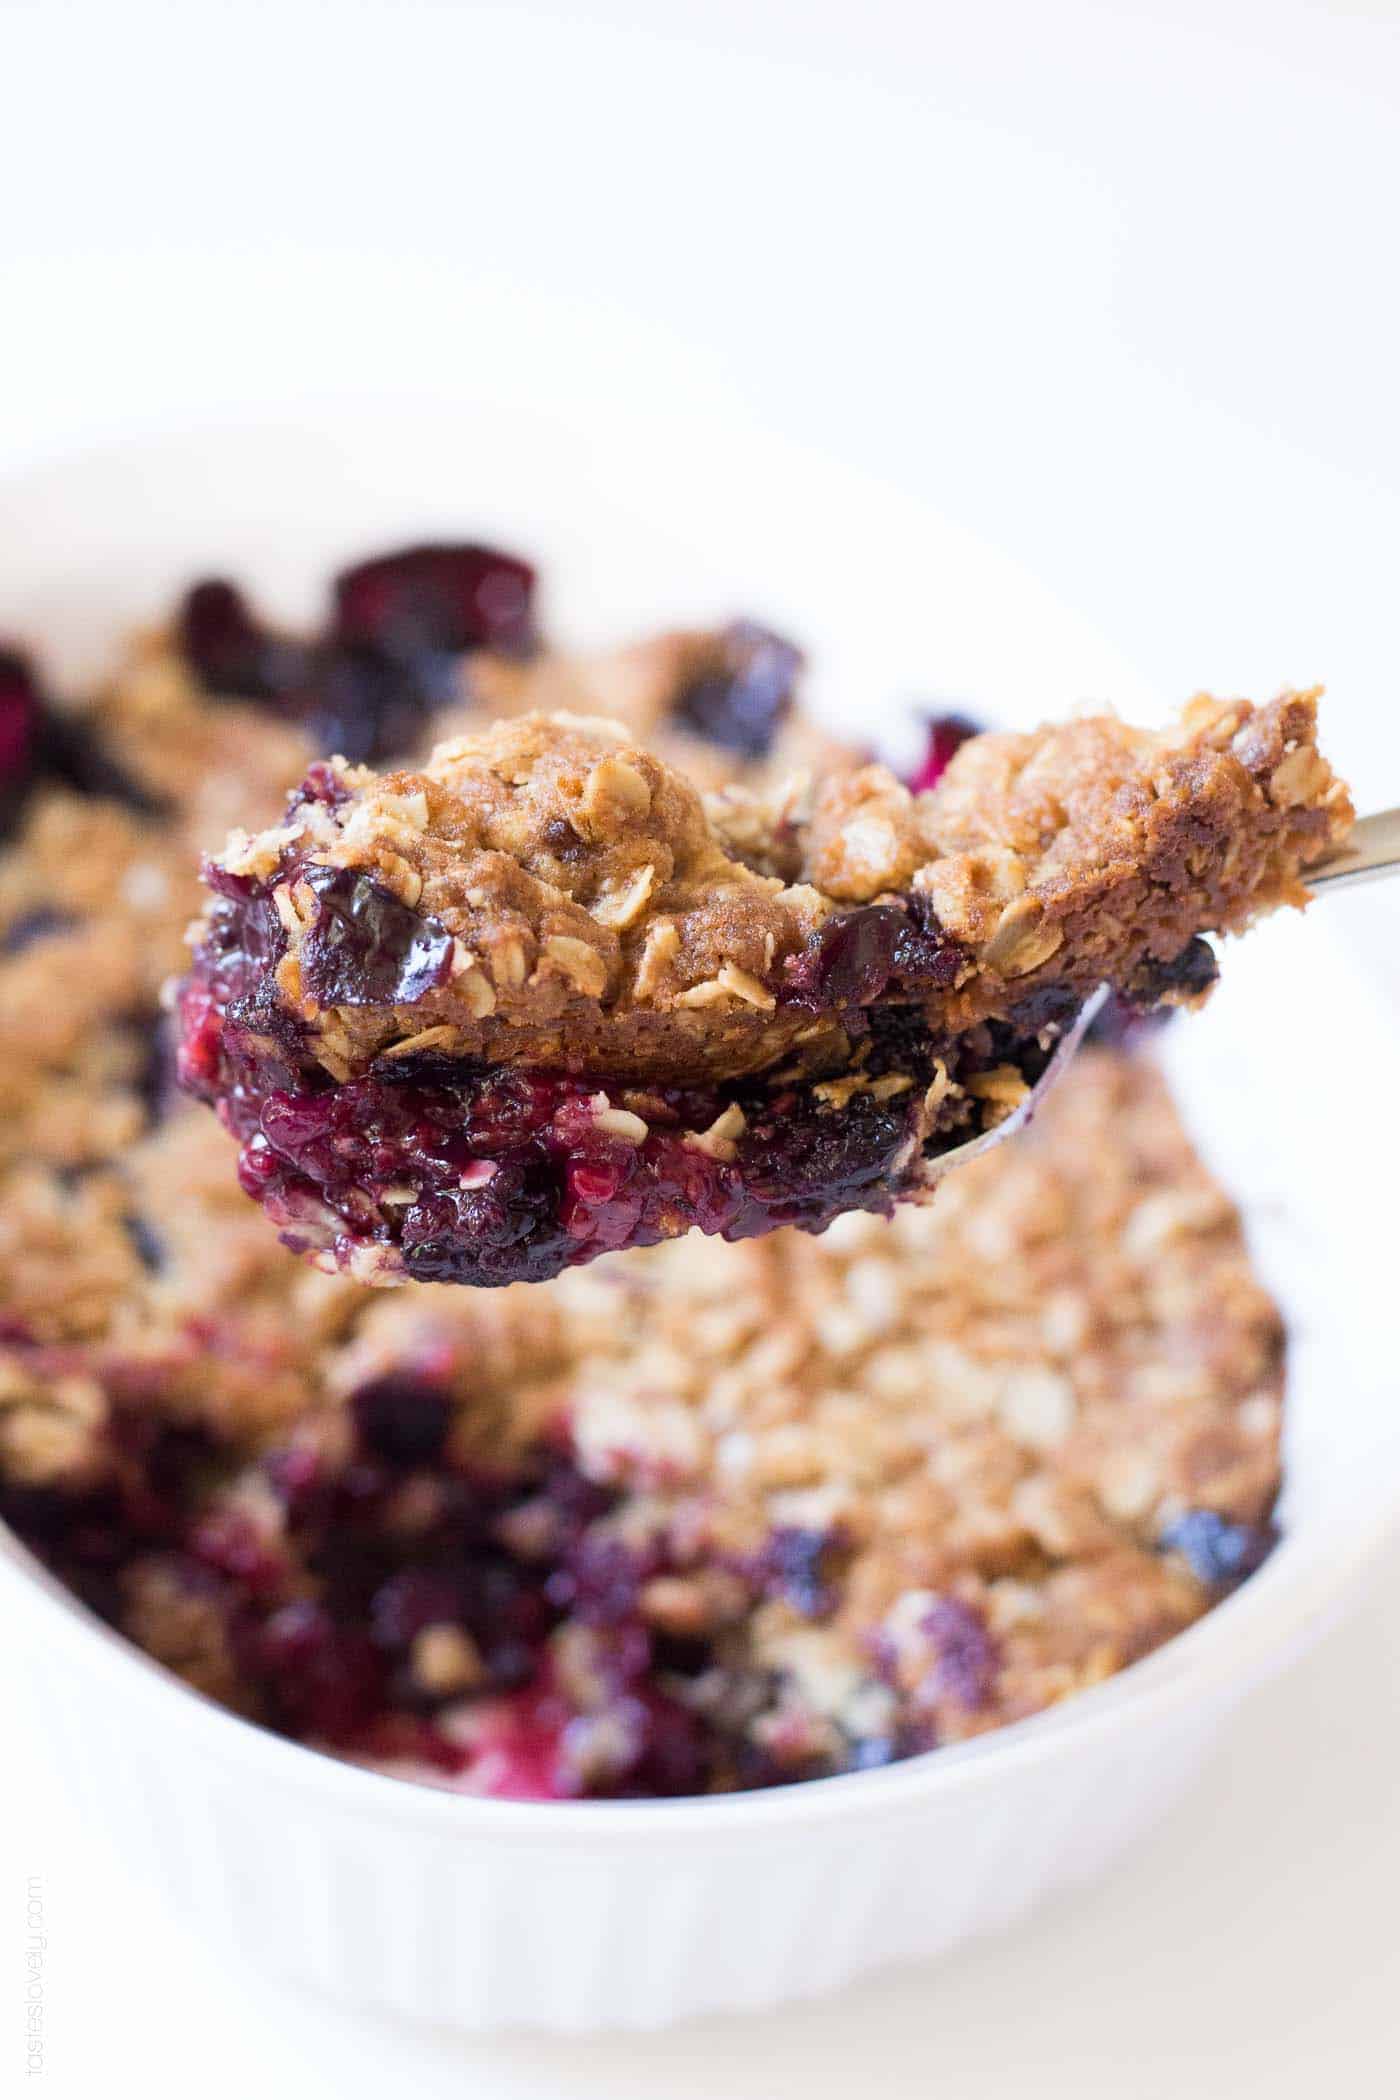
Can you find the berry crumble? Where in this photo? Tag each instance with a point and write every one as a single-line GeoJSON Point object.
{"type": "Point", "coordinates": [687, 1519]}
{"type": "Point", "coordinates": [691, 1519]}
{"type": "Point", "coordinates": [534, 1001]}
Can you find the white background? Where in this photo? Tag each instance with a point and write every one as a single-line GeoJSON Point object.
{"type": "Point", "coordinates": [1114, 285]}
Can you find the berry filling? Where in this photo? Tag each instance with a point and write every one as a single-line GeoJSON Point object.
{"type": "Point", "coordinates": [20, 725]}
{"type": "Point", "coordinates": [38, 742]}
{"type": "Point", "coordinates": [229, 649]}
{"type": "Point", "coordinates": [497, 1642]}
{"type": "Point", "coordinates": [741, 700]}
{"type": "Point", "coordinates": [496, 1632]}
{"type": "Point", "coordinates": [444, 1170]}
{"type": "Point", "coordinates": [443, 598]}
{"type": "Point", "coordinates": [946, 735]}
{"type": "Point", "coordinates": [1127, 1018]}
{"type": "Point", "coordinates": [389, 656]}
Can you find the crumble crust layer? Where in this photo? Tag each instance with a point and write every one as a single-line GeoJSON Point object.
{"type": "Point", "coordinates": [583, 908]}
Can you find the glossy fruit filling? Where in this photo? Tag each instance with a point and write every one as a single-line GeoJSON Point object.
{"type": "Point", "coordinates": [445, 1171]}
{"type": "Point", "coordinates": [388, 655]}
{"type": "Point", "coordinates": [741, 700]}
{"type": "Point", "coordinates": [42, 743]}
{"type": "Point", "coordinates": [493, 1631]}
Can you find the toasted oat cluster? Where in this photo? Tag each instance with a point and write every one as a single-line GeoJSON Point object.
{"type": "Point", "coordinates": [487, 1018]}
{"type": "Point", "coordinates": [702, 1517]}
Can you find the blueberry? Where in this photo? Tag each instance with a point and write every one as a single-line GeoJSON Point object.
{"type": "Point", "coordinates": [795, 1564]}
{"type": "Point", "coordinates": [967, 1656]}
{"type": "Point", "coordinates": [599, 1582]}
{"type": "Point", "coordinates": [402, 1420]}
{"type": "Point", "coordinates": [325, 1679]}
{"type": "Point", "coordinates": [365, 703]}
{"type": "Point", "coordinates": [411, 1600]}
{"type": "Point", "coordinates": [740, 701]}
{"type": "Point", "coordinates": [31, 926]}
{"type": "Point", "coordinates": [366, 947]}
{"type": "Point", "coordinates": [229, 650]}
{"type": "Point", "coordinates": [855, 956]}
{"type": "Point", "coordinates": [441, 597]}
{"type": "Point", "coordinates": [1219, 1553]}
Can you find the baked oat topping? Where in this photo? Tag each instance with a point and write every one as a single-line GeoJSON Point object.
{"type": "Point", "coordinates": [553, 850]}
{"type": "Point", "coordinates": [424, 999]}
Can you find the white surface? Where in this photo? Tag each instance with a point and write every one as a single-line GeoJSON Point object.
{"type": "Point", "coordinates": [1115, 284]}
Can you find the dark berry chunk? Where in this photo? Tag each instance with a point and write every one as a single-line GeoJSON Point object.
{"type": "Point", "coordinates": [21, 727]}
{"type": "Point", "coordinates": [230, 1542]}
{"type": "Point", "coordinates": [740, 701]}
{"type": "Point", "coordinates": [801, 1167]}
{"type": "Point", "coordinates": [367, 704]}
{"type": "Point", "coordinates": [411, 1600]}
{"type": "Point", "coordinates": [366, 948]}
{"type": "Point", "coordinates": [849, 960]}
{"type": "Point", "coordinates": [40, 741]}
{"type": "Point", "coordinates": [325, 1679]}
{"type": "Point", "coordinates": [1189, 975]}
{"type": "Point", "coordinates": [673, 1755]}
{"type": "Point", "coordinates": [946, 735]}
{"type": "Point", "coordinates": [1126, 1019]}
{"type": "Point", "coordinates": [73, 755]}
{"type": "Point", "coordinates": [797, 1565]}
{"type": "Point", "coordinates": [1218, 1552]}
{"type": "Point", "coordinates": [321, 784]}
{"type": "Point", "coordinates": [925, 958]}
{"type": "Point", "coordinates": [150, 1250]}
{"type": "Point", "coordinates": [599, 1585]}
{"type": "Point", "coordinates": [41, 924]}
{"type": "Point", "coordinates": [856, 955]}
{"type": "Point", "coordinates": [437, 598]}
{"type": "Point", "coordinates": [967, 1656]}
{"type": "Point", "coordinates": [402, 1419]}
{"type": "Point", "coordinates": [229, 650]}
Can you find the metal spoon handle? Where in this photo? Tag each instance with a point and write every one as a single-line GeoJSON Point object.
{"type": "Point", "coordinates": [1373, 850]}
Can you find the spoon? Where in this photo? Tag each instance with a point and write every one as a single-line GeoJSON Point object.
{"type": "Point", "coordinates": [1372, 851]}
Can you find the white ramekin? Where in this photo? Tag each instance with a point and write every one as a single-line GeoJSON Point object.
{"type": "Point", "coordinates": [592, 1915]}
{"type": "Point", "coordinates": [482, 1913]}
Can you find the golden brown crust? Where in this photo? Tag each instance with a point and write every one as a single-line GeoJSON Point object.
{"type": "Point", "coordinates": [602, 915]}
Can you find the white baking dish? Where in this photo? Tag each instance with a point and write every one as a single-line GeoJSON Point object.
{"type": "Point", "coordinates": [586, 1915]}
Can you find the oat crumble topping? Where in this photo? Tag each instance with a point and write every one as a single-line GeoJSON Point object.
{"type": "Point", "coordinates": [687, 1519]}
{"type": "Point", "coordinates": [488, 1018]}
